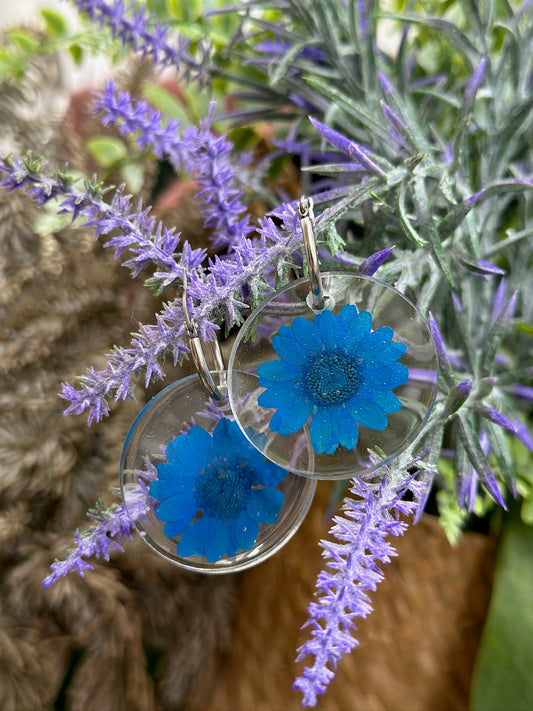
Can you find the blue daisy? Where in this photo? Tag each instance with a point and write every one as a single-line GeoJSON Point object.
{"type": "Point", "coordinates": [215, 490]}
{"type": "Point", "coordinates": [335, 370]}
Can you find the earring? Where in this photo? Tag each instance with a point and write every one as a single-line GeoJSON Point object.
{"type": "Point", "coordinates": [336, 371]}
{"type": "Point", "coordinates": [212, 502]}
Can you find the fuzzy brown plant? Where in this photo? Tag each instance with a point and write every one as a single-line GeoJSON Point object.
{"type": "Point", "coordinates": [134, 634]}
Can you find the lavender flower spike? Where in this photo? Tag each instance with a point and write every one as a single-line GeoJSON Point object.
{"type": "Point", "coordinates": [136, 27]}
{"type": "Point", "coordinates": [201, 153]}
{"type": "Point", "coordinates": [352, 573]}
{"type": "Point", "coordinates": [113, 524]}
{"type": "Point", "coordinates": [350, 148]}
{"type": "Point", "coordinates": [134, 228]}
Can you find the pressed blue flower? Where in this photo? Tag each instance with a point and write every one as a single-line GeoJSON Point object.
{"type": "Point", "coordinates": [337, 371]}
{"type": "Point", "coordinates": [226, 480]}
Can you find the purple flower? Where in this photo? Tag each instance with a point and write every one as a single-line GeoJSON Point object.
{"type": "Point", "coordinates": [133, 228]}
{"type": "Point", "coordinates": [352, 571]}
{"type": "Point", "coordinates": [224, 291]}
{"type": "Point", "coordinates": [112, 525]}
{"type": "Point", "coordinates": [371, 264]}
{"type": "Point", "coordinates": [214, 294]}
{"type": "Point", "coordinates": [137, 28]}
{"type": "Point", "coordinates": [198, 151]}
{"type": "Point", "coordinates": [362, 155]}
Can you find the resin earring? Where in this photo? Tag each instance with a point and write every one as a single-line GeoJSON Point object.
{"type": "Point", "coordinates": [201, 494]}
{"type": "Point", "coordinates": [336, 371]}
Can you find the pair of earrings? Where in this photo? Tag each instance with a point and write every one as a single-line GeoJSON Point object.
{"type": "Point", "coordinates": [332, 370]}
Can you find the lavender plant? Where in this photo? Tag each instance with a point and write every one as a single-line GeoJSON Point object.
{"type": "Point", "coordinates": [418, 154]}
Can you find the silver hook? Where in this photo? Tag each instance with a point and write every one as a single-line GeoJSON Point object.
{"type": "Point", "coordinates": [197, 350]}
{"type": "Point", "coordinates": [307, 218]}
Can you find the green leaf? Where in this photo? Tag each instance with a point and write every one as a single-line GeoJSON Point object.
{"type": "Point", "coordinates": [405, 220]}
{"type": "Point", "coordinates": [165, 102]}
{"type": "Point", "coordinates": [501, 452]}
{"type": "Point", "coordinates": [495, 335]}
{"type": "Point", "coordinates": [427, 226]}
{"type": "Point", "coordinates": [451, 517]}
{"type": "Point", "coordinates": [56, 25]}
{"type": "Point", "coordinates": [77, 54]}
{"type": "Point", "coordinates": [283, 65]}
{"type": "Point", "coordinates": [27, 42]}
{"type": "Point", "coordinates": [502, 675]}
{"type": "Point", "coordinates": [459, 39]}
{"type": "Point", "coordinates": [185, 11]}
{"type": "Point", "coordinates": [353, 109]}
{"type": "Point", "coordinates": [107, 151]}
{"type": "Point", "coordinates": [133, 175]}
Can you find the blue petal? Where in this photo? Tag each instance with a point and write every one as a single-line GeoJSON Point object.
{"type": "Point", "coordinates": [279, 394]}
{"type": "Point", "coordinates": [345, 316]}
{"type": "Point", "coordinates": [321, 431]}
{"type": "Point", "coordinates": [264, 505]}
{"type": "Point", "coordinates": [165, 488]}
{"type": "Point", "coordinates": [235, 443]}
{"type": "Point", "coordinates": [243, 531]}
{"type": "Point", "coordinates": [217, 542]}
{"type": "Point", "coordinates": [388, 377]}
{"type": "Point", "coordinates": [291, 418]}
{"type": "Point", "coordinates": [358, 327]}
{"type": "Point", "coordinates": [194, 538]}
{"type": "Point", "coordinates": [178, 451]}
{"type": "Point", "coordinates": [221, 433]}
{"type": "Point", "coordinates": [171, 529]}
{"type": "Point", "coordinates": [332, 447]}
{"type": "Point", "coordinates": [367, 413]}
{"type": "Point", "coordinates": [177, 471]}
{"type": "Point", "coordinates": [289, 350]}
{"type": "Point", "coordinates": [376, 349]}
{"type": "Point", "coordinates": [201, 446]}
{"type": "Point", "coordinates": [269, 474]}
{"type": "Point", "coordinates": [327, 326]}
{"type": "Point", "coordinates": [306, 335]}
{"type": "Point", "coordinates": [345, 428]}
{"type": "Point", "coordinates": [177, 507]}
{"type": "Point", "coordinates": [278, 370]}
{"type": "Point", "coordinates": [252, 456]}
{"type": "Point", "coordinates": [384, 398]}
{"type": "Point", "coordinates": [228, 440]}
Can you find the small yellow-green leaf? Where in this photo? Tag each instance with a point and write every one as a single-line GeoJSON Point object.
{"type": "Point", "coordinates": [26, 41]}
{"type": "Point", "coordinates": [185, 11]}
{"type": "Point", "coordinates": [76, 52]}
{"type": "Point", "coordinates": [133, 175]}
{"type": "Point", "coordinates": [526, 512]}
{"type": "Point", "coordinates": [525, 328]}
{"type": "Point", "coordinates": [107, 151]}
{"type": "Point", "coordinates": [165, 102]}
{"type": "Point", "coordinates": [56, 25]}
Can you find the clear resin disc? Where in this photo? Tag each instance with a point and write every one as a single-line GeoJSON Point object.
{"type": "Point", "coordinates": [191, 482]}
{"type": "Point", "coordinates": [337, 392]}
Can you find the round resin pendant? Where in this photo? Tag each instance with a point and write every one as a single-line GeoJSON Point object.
{"type": "Point", "coordinates": [199, 490]}
{"type": "Point", "coordinates": [323, 390]}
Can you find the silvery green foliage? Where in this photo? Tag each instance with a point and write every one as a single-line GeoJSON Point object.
{"type": "Point", "coordinates": [440, 165]}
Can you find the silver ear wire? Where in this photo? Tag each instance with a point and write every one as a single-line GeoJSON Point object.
{"type": "Point", "coordinates": [197, 350]}
{"type": "Point", "coordinates": [307, 218]}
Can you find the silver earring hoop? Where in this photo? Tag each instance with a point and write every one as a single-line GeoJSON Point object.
{"type": "Point", "coordinates": [197, 350]}
{"type": "Point", "coordinates": [307, 219]}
